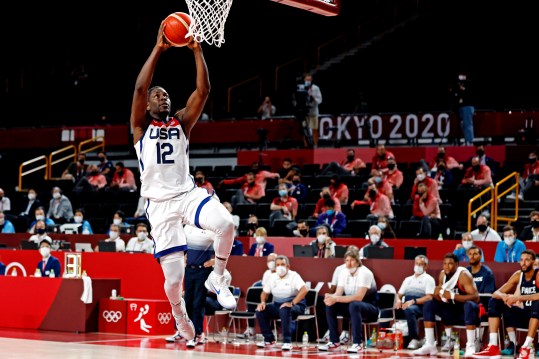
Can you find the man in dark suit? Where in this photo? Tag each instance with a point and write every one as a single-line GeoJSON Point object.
{"type": "Point", "coordinates": [48, 263]}
{"type": "Point", "coordinates": [531, 231]}
{"type": "Point", "coordinates": [29, 207]}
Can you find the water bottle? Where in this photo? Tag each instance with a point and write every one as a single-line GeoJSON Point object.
{"type": "Point", "coordinates": [440, 237]}
{"type": "Point", "coordinates": [506, 342]}
{"type": "Point", "coordinates": [305, 340]}
{"type": "Point", "coordinates": [37, 273]}
{"type": "Point", "coordinates": [444, 337]}
{"type": "Point", "coordinates": [51, 273]}
{"type": "Point", "coordinates": [456, 348]}
{"type": "Point", "coordinates": [223, 334]}
{"type": "Point", "coordinates": [14, 272]}
{"type": "Point", "coordinates": [397, 342]}
{"type": "Point", "coordinates": [374, 337]}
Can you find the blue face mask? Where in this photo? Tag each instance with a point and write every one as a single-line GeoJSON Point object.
{"type": "Point", "coordinates": [282, 192]}
{"type": "Point", "coordinates": [330, 212]}
{"type": "Point", "coordinates": [307, 83]}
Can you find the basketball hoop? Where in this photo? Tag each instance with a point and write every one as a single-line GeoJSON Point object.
{"type": "Point", "coordinates": [209, 17]}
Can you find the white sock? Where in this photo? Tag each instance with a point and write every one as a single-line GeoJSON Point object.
{"type": "Point", "coordinates": [528, 342]}
{"type": "Point", "coordinates": [493, 338]}
{"type": "Point", "coordinates": [512, 337]}
{"type": "Point", "coordinates": [448, 332]}
{"type": "Point", "coordinates": [429, 336]}
{"type": "Point", "coordinates": [470, 336]}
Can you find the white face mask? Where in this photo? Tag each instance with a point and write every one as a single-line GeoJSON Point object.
{"type": "Point", "coordinates": [40, 217]}
{"type": "Point", "coordinates": [142, 236]}
{"type": "Point", "coordinates": [321, 238]}
{"type": "Point", "coordinates": [77, 219]}
{"type": "Point", "coordinates": [56, 195]}
{"type": "Point", "coordinates": [420, 177]}
{"type": "Point", "coordinates": [31, 196]}
{"type": "Point", "coordinates": [467, 244]}
{"type": "Point", "coordinates": [117, 221]}
{"type": "Point", "coordinates": [418, 269]}
{"type": "Point", "coordinates": [113, 234]}
{"type": "Point", "coordinates": [260, 239]}
{"type": "Point", "coordinates": [374, 238]}
{"type": "Point", "coordinates": [271, 266]}
{"type": "Point", "coordinates": [509, 240]}
{"type": "Point", "coordinates": [45, 251]}
{"type": "Point", "coordinates": [352, 270]}
{"type": "Point", "coordinates": [281, 271]}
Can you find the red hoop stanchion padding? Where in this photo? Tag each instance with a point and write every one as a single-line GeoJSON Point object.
{"type": "Point", "coordinates": [322, 7]}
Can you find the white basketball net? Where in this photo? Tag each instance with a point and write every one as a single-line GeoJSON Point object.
{"type": "Point", "coordinates": [209, 17]}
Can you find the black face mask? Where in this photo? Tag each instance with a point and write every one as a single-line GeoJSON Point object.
{"type": "Point", "coordinates": [532, 160]}
{"type": "Point", "coordinates": [441, 168]}
{"type": "Point", "coordinates": [372, 194]}
{"type": "Point", "coordinates": [120, 173]}
{"type": "Point", "coordinates": [326, 196]}
{"type": "Point", "coordinates": [40, 230]}
{"type": "Point", "coordinates": [81, 162]}
{"type": "Point", "coordinates": [295, 183]}
{"type": "Point", "coordinates": [304, 232]}
{"type": "Point", "coordinates": [535, 224]}
{"type": "Point", "coordinates": [391, 166]}
{"type": "Point", "coordinates": [199, 179]}
{"type": "Point", "coordinates": [482, 227]}
{"type": "Point", "coordinates": [252, 226]}
{"type": "Point", "coordinates": [101, 159]}
{"type": "Point", "coordinates": [350, 158]}
{"type": "Point", "coordinates": [480, 152]}
{"type": "Point", "coordinates": [476, 168]}
{"type": "Point", "coordinates": [441, 155]}
{"type": "Point", "coordinates": [94, 173]}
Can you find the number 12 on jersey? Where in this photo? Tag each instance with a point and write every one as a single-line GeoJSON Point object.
{"type": "Point", "coordinates": [164, 149]}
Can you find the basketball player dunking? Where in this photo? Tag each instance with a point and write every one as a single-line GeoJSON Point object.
{"type": "Point", "coordinates": [172, 198]}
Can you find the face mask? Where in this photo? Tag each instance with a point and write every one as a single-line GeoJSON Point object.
{"type": "Point", "coordinates": [480, 152]}
{"type": "Point", "coordinates": [352, 270]}
{"type": "Point", "coordinates": [141, 236]}
{"type": "Point", "coordinates": [251, 184]}
{"type": "Point", "coordinates": [307, 83]}
{"type": "Point", "coordinates": [198, 179]}
{"type": "Point", "coordinates": [120, 173]}
{"type": "Point", "coordinates": [420, 177]}
{"type": "Point", "coordinates": [260, 239]}
{"type": "Point", "coordinates": [40, 217]}
{"type": "Point", "coordinates": [535, 224]}
{"type": "Point", "coordinates": [509, 240]}
{"type": "Point", "coordinates": [117, 221]}
{"type": "Point", "coordinates": [101, 159]}
{"type": "Point", "coordinates": [350, 158]}
{"type": "Point", "coordinates": [482, 227]}
{"type": "Point", "coordinates": [295, 183]}
{"type": "Point", "coordinates": [391, 166]}
{"type": "Point", "coordinates": [283, 192]}
{"type": "Point", "coordinates": [532, 159]}
{"type": "Point", "coordinates": [330, 212]}
{"type": "Point", "coordinates": [45, 251]}
{"type": "Point", "coordinates": [441, 155]}
{"type": "Point", "coordinates": [271, 266]}
{"type": "Point", "coordinates": [40, 230]}
{"type": "Point", "coordinates": [374, 238]}
{"type": "Point", "coordinates": [418, 270]}
{"type": "Point", "coordinates": [467, 244]}
{"type": "Point", "coordinates": [56, 195]}
{"type": "Point", "coordinates": [31, 196]}
{"type": "Point", "coordinates": [441, 168]}
{"type": "Point", "coordinates": [113, 234]}
{"type": "Point", "coordinates": [476, 168]}
{"type": "Point", "coordinates": [377, 179]}
{"type": "Point", "coordinates": [77, 219]}
{"type": "Point", "coordinates": [372, 194]}
{"type": "Point", "coordinates": [281, 271]}
{"type": "Point", "coordinates": [303, 232]}
{"type": "Point", "coordinates": [321, 238]}
{"type": "Point", "coordinates": [462, 77]}
{"type": "Point", "coordinates": [381, 225]}
{"type": "Point", "coordinates": [325, 196]}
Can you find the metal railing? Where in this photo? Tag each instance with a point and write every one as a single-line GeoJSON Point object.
{"type": "Point", "coordinates": [498, 195]}
{"type": "Point", "coordinates": [99, 139]}
{"type": "Point", "coordinates": [232, 88]}
{"type": "Point", "coordinates": [484, 204]}
{"type": "Point", "coordinates": [22, 172]}
{"type": "Point", "coordinates": [54, 161]}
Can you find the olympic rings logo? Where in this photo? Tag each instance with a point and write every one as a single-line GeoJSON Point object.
{"type": "Point", "coordinates": [112, 316]}
{"type": "Point", "coordinates": [164, 318]}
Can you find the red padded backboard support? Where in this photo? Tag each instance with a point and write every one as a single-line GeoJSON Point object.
{"type": "Point", "coordinates": [322, 7]}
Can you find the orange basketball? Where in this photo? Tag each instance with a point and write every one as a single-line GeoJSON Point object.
{"type": "Point", "coordinates": [177, 26]}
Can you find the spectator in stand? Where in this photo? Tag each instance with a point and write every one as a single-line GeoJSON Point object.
{"type": "Point", "coordinates": [260, 177]}
{"type": "Point", "coordinates": [75, 171]}
{"type": "Point", "coordinates": [302, 230]}
{"type": "Point", "coordinates": [382, 185]}
{"type": "Point", "coordinates": [114, 236]}
{"type": "Point", "coordinates": [529, 179]}
{"type": "Point", "coordinates": [375, 240]}
{"type": "Point", "coordinates": [283, 206]}
{"type": "Point", "coordinates": [320, 207]}
{"type": "Point", "coordinates": [387, 229]}
{"type": "Point", "coordinates": [140, 243]}
{"type": "Point", "coordinates": [79, 219]}
{"type": "Point", "coordinates": [461, 249]}
{"type": "Point", "coordinates": [200, 180]}
{"type": "Point", "coordinates": [251, 226]}
{"type": "Point", "coordinates": [531, 231]}
{"type": "Point", "coordinates": [378, 203]}
{"type": "Point", "coordinates": [393, 175]}
{"type": "Point", "coordinates": [261, 248]}
{"type": "Point", "coordinates": [510, 249]}
{"type": "Point", "coordinates": [92, 182]}
{"type": "Point", "coordinates": [323, 246]}
{"type": "Point", "coordinates": [338, 189]}
{"type": "Point", "coordinates": [350, 166]}
{"type": "Point", "coordinates": [237, 245]}
{"type": "Point", "coordinates": [123, 179]}
{"type": "Point", "coordinates": [477, 176]}
{"type": "Point", "coordinates": [250, 192]}
{"type": "Point", "coordinates": [427, 210]}
{"type": "Point", "coordinates": [287, 170]}
{"type": "Point", "coordinates": [441, 155]}
{"type": "Point", "coordinates": [380, 159]}
{"type": "Point", "coordinates": [297, 189]}
{"type": "Point", "coordinates": [60, 209]}
{"type": "Point", "coordinates": [30, 207]}
{"type": "Point", "coordinates": [432, 186]}
{"type": "Point", "coordinates": [5, 225]}
{"type": "Point", "coordinates": [442, 175]}
{"type": "Point", "coordinates": [266, 109]}
{"type": "Point", "coordinates": [39, 215]}
{"type": "Point", "coordinates": [483, 159]}
{"type": "Point", "coordinates": [313, 99]}
{"type": "Point", "coordinates": [335, 220]}
{"type": "Point", "coordinates": [5, 203]}
{"type": "Point", "coordinates": [119, 219]}
{"type": "Point", "coordinates": [105, 166]}
{"type": "Point", "coordinates": [483, 232]}
{"type": "Point", "coordinates": [48, 263]}
{"type": "Point", "coordinates": [41, 232]}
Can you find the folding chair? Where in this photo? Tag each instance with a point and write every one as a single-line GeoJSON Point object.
{"type": "Point", "coordinates": [386, 304]}
{"type": "Point", "coordinates": [310, 311]}
{"type": "Point", "coordinates": [252, 296]}
{"type": "Point", "coordinates": [236, 292]}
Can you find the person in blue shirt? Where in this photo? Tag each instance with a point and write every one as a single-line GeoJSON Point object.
{"type": "Point", "coordinates": [79, 218]}
{"type": "Point", "coordinates": [48, 262]}
{"type": "Point", "coordinates": [5, 225]}
{"type": "Point", "coordinates": [510, 249]}
{"type": "Point", "coordinates": [483, 276]}
{"type": "Point", "coordinates": [461, 249]}
{"type": "Point", "coordinates": [335, 220]}
{"type": "Point", "coordinates": [40, 216]}
{"type": "Point", "coordinates": [237, 248]}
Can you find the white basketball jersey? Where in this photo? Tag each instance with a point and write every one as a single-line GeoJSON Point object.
{"type": "Point", "coordinates": [163, 154]}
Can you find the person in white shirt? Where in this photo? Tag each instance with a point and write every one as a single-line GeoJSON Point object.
{"type": "Point", "coordinates": [483, 232]}
{"type": "Point", "coordinates": [140, 243]}
{"type": "Point", "coordinates": [288, 290]}
{"type": "Point", "coordinates": [414, 291]}
{"type": "Point", "coordinates": [5, 203]}
{"type": "Point", "coordinates": [114, 236]}
{"type": "Point", "coordinates": [355, 298]}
